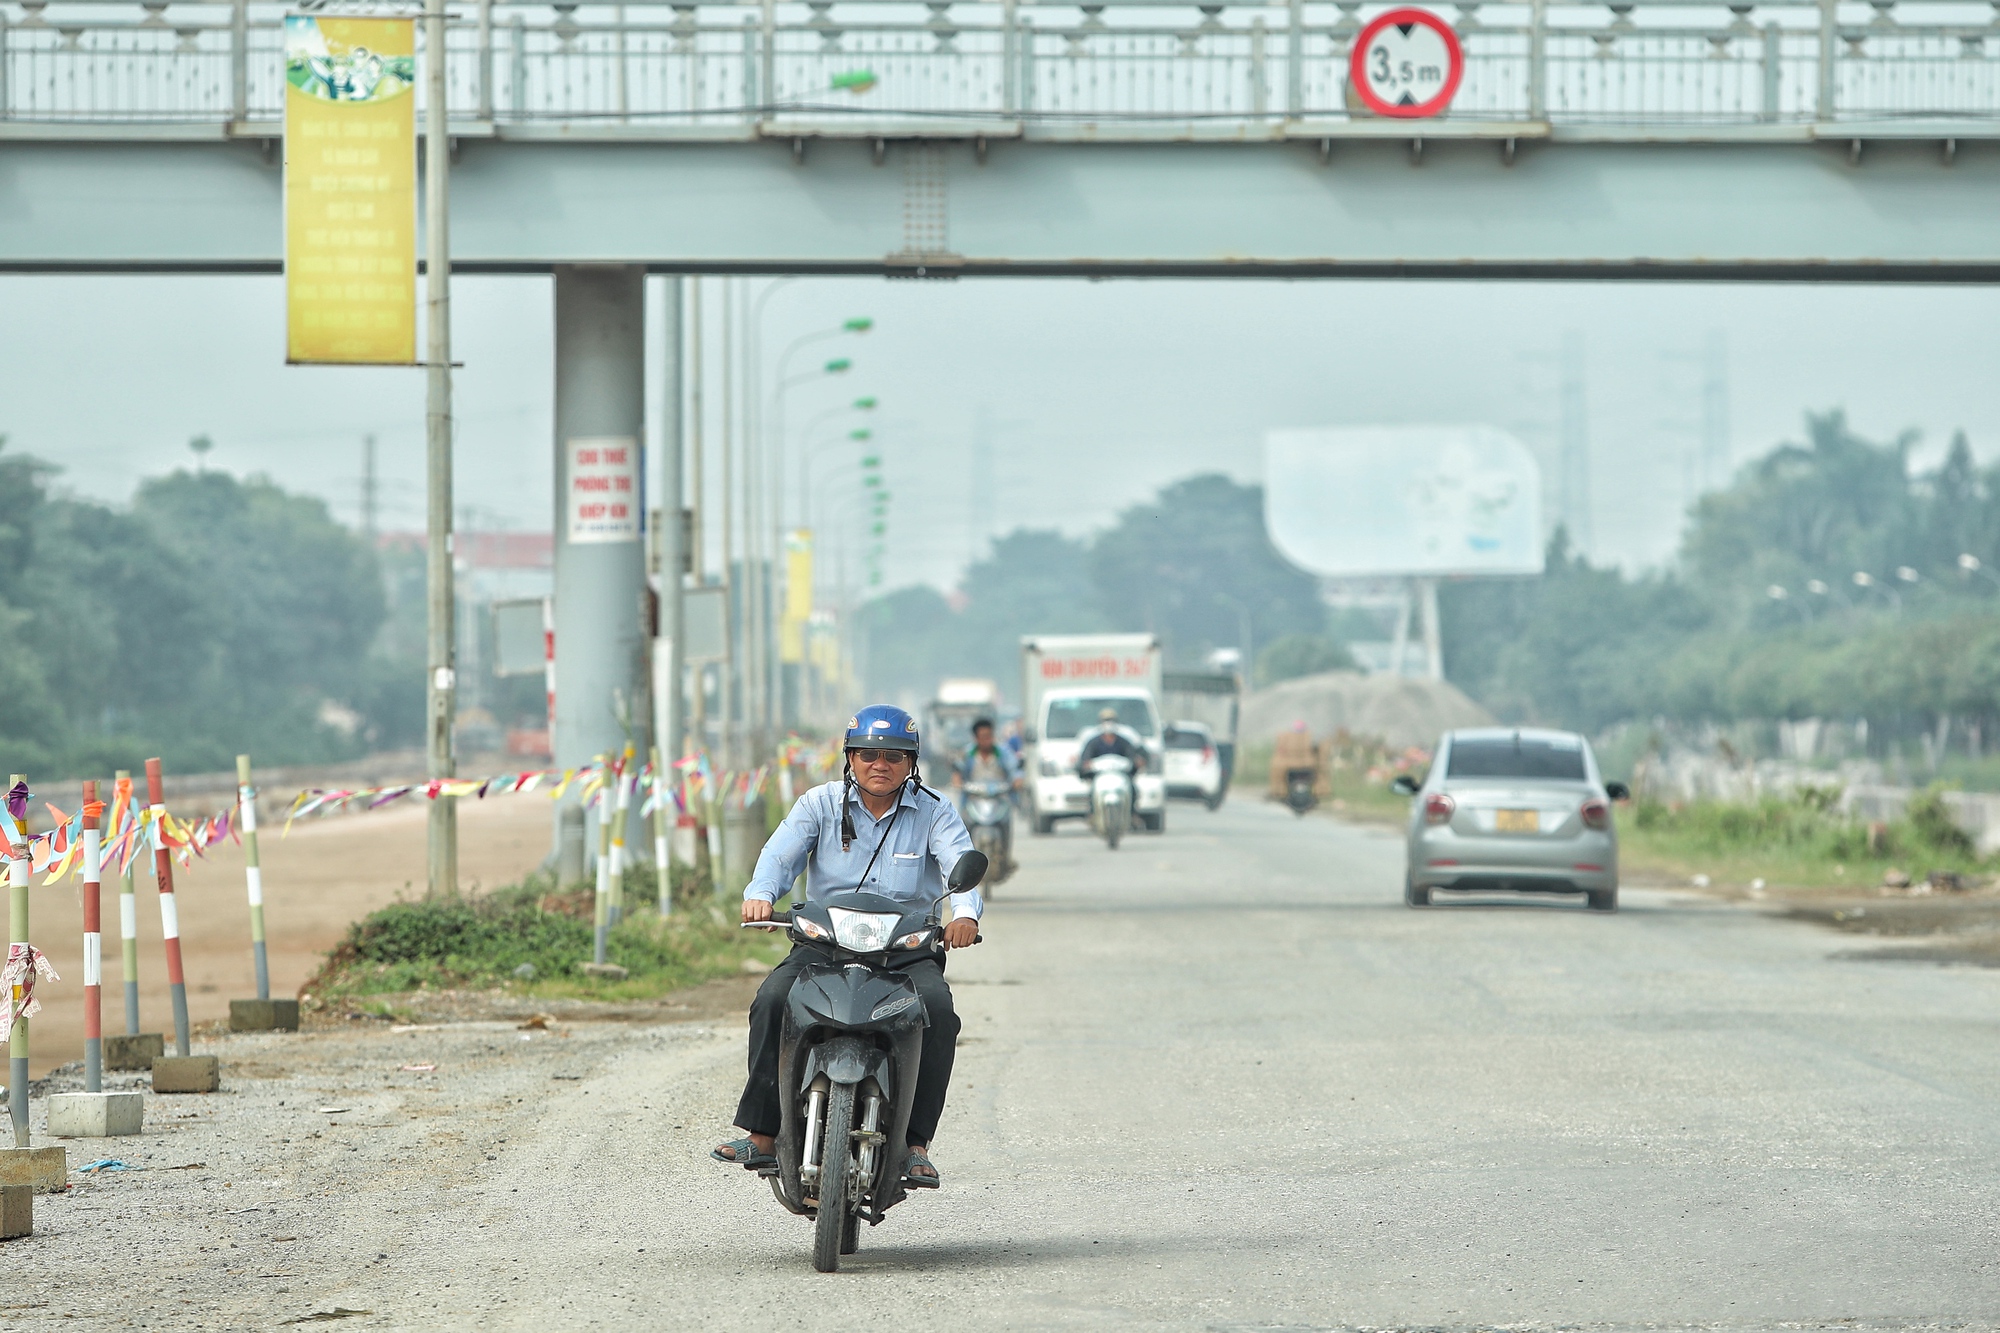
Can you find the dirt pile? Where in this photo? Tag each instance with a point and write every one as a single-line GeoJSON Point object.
{"type": "Point", "coordinates": [1399, 710]}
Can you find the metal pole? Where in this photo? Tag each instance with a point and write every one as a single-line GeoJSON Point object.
{"type": "Point", "coordinates": [1829, 41]}
{"type": "Point", "coordinates": [93, 943]}
{"type": "Point", "coordinates": [443, 832]}
{"type": "Point", "coordinates": [1295, 58]}
{"type": "Point", "coordinates": [1538, 60]}
{"type": "Point", "coordinates": [239, 61]}
{"type": "Point", "coordinates": [602, 915]}
{"type": "Point", "coordinates": [1427, 590]}
{"type": "Point", "coordinates": [669, 646]}
{"type": "Point", "coordinates": [253, 876]}
{"type": "Point", "coordinates": [662, 868]}
{"type": "Point", "coordinates": [17, 937]}
{"type": "Point", "coordinates": [625, 775]}
{"type": "Point", "coordinates": [128, 905]}
{"type": "Point", "coordinates": [735, 576]}
{"type": "Point", "coordinates": [170, 920]}
{"type": "Point", "coordinates": [486, 59]}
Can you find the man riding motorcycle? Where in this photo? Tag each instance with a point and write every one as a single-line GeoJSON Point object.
{"type": "Point", "coordinates": [1111, 738]}
{"type": "Point", "coordinates": [878, 827]}
{"type": "Point", "coordinates": [985, 761]}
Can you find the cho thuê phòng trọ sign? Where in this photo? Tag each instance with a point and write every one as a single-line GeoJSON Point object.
{"type": "Point", "coordinates": [350, 190]}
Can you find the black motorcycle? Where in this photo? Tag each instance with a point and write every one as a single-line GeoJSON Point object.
{"type": "Point", "coordinates": [848, 1053]}
{"type": "Point", "coordinates": [1299, 794]}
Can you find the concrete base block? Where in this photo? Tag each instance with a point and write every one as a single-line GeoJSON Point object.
{"type": "Point", "coordinates": [43, 1170]}
{"type": "Point", "coordinates": [135, 1051]}
{"type": "Point", "coordinates": [95, 1115]}
{"type": "Point", "coordinates": [187, 1073]}
{"type": "Point", "coordinates": [604, 971]}
{"type": "Point", "coordinates": [17, 1211]}
{"type": "Point", "coordinates": [263, 1015]}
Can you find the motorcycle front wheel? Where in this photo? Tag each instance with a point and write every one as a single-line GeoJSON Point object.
{"type": "Point", "coordinates": [836, 1162]}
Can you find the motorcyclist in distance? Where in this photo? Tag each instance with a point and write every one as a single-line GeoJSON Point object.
{"type": "Point", "coordinates": [1111, 738]}
{"type": "Point", "coordinates": [984, 761]}
{"type": "Point", "coordinates": [879, 828]}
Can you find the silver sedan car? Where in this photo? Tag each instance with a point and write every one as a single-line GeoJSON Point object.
{"type": "Point", "coordinates": [1515, 811]}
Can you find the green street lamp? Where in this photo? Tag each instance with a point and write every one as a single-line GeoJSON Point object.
{"type": "Point", "coordinates": [840, 365]}
{"type": "Point", "coordinates": [861, 433]}
{"type": "Point", "coordinates": [859, 324]}
{"type": "Point", "coordinates": [864, 404]}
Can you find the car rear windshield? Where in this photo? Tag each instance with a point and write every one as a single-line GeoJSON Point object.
{"type": "Point", "coordinates": [1180, 738]}
{"type": "Point", "coordinates": [1070, 718]}
{"type": "Point", "coordinates": [1516, 757]}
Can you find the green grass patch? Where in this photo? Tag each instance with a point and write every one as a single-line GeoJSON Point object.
{"type": "Point", "coordinates": [483, 941]}
{"type": "Point", "coordinates": [1800, 840]}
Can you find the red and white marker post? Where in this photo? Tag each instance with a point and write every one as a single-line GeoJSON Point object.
{"type": "Point", "coordinates": [170, 922]}
{"type": "Point", "coordinates": [93, 942]}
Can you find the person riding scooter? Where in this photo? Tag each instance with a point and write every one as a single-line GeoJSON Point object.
{"type": "Point", "coordinates": [985, 763]}
{"type": "Point", "coordinates": [879, 828]}
{"type": "Point", "coordinates": [1111, 738]}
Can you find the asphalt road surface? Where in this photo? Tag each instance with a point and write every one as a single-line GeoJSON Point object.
{"type": "Point", "coordinates": [1223, 1079]}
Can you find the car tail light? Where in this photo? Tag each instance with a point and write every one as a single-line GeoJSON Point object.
{"type": "Point", "coordinates": [1438, 808]}
{"type": "Point", "coordinates": [1596, 813]}
{"type": "Point", "coordinates": [1207, 753]}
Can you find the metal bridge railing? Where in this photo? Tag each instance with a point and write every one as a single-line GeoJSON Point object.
{"type": "Point", "coordinates": [1109, 69]}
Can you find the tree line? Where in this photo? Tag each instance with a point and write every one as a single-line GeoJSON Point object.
{"type": "Point", "coordinates": [209, 616]}
{"type": "Point", "coordinates": [1828, 580]}
{"type": "Point", "coordinates": [1193, 565]}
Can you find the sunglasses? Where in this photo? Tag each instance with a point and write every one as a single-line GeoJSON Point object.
{"type": "Point", "coordinates": [878, 756]}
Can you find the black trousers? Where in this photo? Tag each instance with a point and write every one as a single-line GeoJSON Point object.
{"type": "Point", "coordinates": [759, 1111]}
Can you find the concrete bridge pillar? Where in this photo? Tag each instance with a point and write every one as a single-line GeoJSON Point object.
{"type": "Point", "coordinates": [600, 569]}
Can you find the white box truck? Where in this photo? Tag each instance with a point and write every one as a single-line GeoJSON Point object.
{"type": "Point", "coordinates": [1066, 681]}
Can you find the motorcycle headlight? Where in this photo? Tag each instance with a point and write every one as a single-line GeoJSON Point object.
{"type": "Point", "coordinates": [863, 932]}
{"type": "Point", "coordinates": [1052, 768]}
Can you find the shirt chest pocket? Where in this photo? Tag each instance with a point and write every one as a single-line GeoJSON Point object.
{"type": "Point", "coordinates": [900, 871]}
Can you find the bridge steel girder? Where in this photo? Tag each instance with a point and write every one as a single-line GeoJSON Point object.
{"type": "Point", "coordinates": [1899, 211]}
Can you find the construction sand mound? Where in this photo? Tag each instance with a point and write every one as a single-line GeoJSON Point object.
{"type": "Point", "coordinates": [1396, 709]}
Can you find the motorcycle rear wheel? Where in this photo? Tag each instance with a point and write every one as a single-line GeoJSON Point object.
{"type": "Point", "coordinates": [836, 1161]}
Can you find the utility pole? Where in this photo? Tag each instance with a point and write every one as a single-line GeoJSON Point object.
{"type": "Point", "coordinates": [979, 504]}
{"type": "Point", "coordinates": [368, 490]}
{"type": "Point", "coordinates": [1574, 492]}
{"type": "Point", "coordinates": [1715, 445]}
{"type": "Point", "coordinates": [698, 506]}
{"type": "Point", "coordinates": [443, 832]}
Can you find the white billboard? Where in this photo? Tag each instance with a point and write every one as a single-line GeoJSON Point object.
{"type": "Point", "coordinates": [1369, 501]}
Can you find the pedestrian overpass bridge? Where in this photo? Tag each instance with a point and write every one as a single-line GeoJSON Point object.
{"type": "Point", "coordinates": [1629, 139]}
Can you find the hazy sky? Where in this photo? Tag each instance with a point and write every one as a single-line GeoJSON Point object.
{"type": "Point", "coordinates": [1096, 393]}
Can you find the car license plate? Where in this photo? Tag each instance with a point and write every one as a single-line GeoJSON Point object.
{"type": "Point", "coordinates": [1517, 821]}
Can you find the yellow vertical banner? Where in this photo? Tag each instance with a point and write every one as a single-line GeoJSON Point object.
{"type": "Point", "coordinates": [350, 190]}
{"type": "Point", "coordinates": [798, 595]}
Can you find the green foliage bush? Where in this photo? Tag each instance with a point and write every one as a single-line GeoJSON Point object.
{"type": "Point", "coordinates": [479, 941]}
{"type": "Point", "coordinates": [1807, 825]}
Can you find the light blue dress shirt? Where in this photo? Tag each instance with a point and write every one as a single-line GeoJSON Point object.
{"type": "Point", "coordinates": [926, 840]}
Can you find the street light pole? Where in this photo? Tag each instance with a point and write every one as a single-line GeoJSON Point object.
{"type": "Point", "coordinates": [442, 839]}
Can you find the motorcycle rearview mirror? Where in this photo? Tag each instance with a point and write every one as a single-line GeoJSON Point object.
{"type": "Point", "coordinates": [1404, 785]}
{"type": "Point", "coordinates": [971, 868]}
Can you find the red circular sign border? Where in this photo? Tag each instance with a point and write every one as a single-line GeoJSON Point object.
{"type": "Point", "coordinates": [1359, 54]}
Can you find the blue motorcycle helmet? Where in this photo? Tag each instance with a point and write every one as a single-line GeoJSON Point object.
{"type": "Point", "coordinates": [882, 727]}
{"type": "Point", "coordinates": [876, 727]}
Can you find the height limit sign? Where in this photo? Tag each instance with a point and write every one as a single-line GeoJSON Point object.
{"type": "Point", "coordinates": [1407, 64]}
